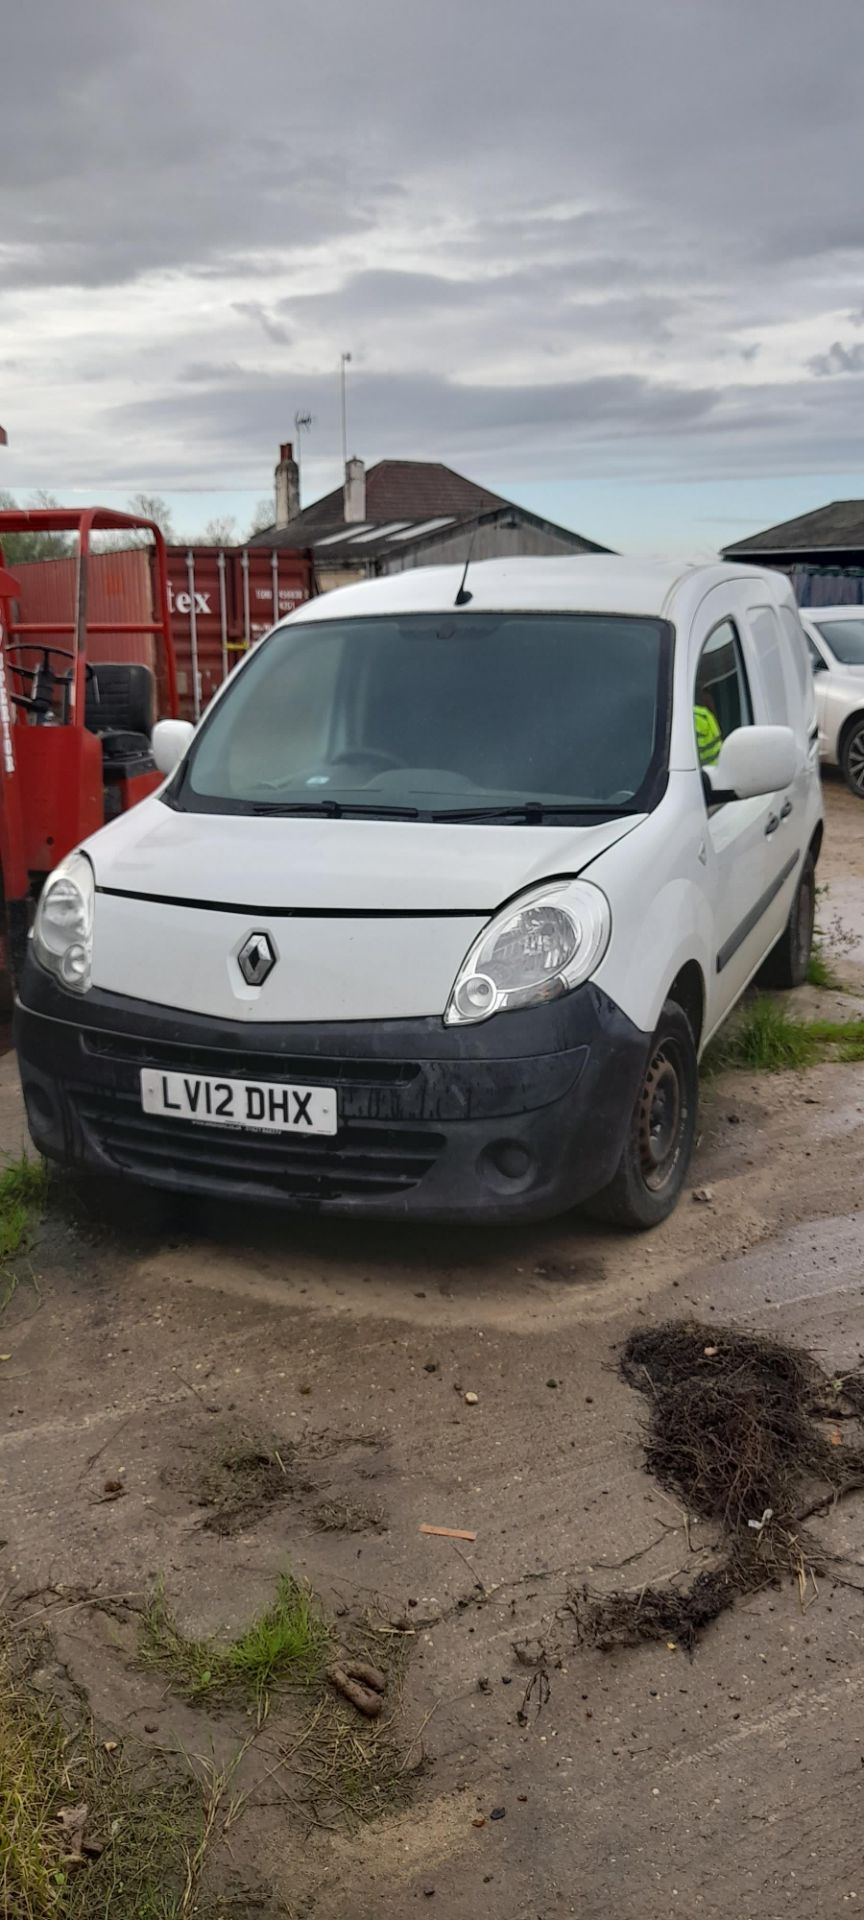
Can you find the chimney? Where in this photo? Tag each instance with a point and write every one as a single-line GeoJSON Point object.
{"type": "Point", "coordinates": [287, 477]}
{"type": "Point", "coordinates": [354, 492]}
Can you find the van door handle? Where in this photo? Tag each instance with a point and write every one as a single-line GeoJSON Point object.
{"type": "Point", "coordinates": [772, 823]}
{"type": "Point", "coordinates": [786, 809]}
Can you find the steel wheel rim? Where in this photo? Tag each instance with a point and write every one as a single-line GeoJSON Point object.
{"type": "Point", "coordinates": [855, 759]}
{"type": "Point", "coordinates": [661, 1117]}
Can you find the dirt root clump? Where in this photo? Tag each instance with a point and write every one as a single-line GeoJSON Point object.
{"type": "Point", "coordinates": [744, 1432]}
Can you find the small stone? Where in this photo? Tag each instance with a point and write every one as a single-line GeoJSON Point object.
{"type": "Point", "coordinates": [479, 1820]}
{"type": "Point", "coordinates": [498, 1813]}
{"type": "Point", "coordinates": [472, 1399]}
{"type": "Point", "coordinates": [430, 1366]}
{"type": "Point", "coordinates": [484, 1684]}
{"type": "Point", "coordinates": [704, 1195]}
{"type": "Point", "coordinates": [150, 1726]}
{"type": "Point", "coordinates": [551, 1383]}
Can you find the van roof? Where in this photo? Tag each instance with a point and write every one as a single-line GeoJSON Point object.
{"type": "Point", "coordinates": [586, 583]}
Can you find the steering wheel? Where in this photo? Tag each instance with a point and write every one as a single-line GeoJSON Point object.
{"type": "Point", "coordinates": [350, 754]}
{"type": "Point", "coordinates": [35, 646]}
{"type": "Point", "coordinates": [28, 646]}
{"type": "Point", "coordinates": [41, 706]}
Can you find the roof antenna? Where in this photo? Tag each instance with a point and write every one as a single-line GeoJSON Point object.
{"type": "Point", "coordinates": [463, 596]}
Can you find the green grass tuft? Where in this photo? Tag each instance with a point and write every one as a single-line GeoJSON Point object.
{"type": "Point", "coordinates": [763, 1038]}
{"type": "Point", "coordinates": [820, 973]}
{"type": "Point", "coordinates": [23, 1188]}
{"type": "Point", "coordinates": [145, 1825]}
{"type": "Point", "coordinates": [289, 1644]}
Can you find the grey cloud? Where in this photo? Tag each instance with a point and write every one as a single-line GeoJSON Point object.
{"type": "Point", "coordinates": [416, 415]}
{"type": "Point", "coordinates": [275, 330]}
{"type": "Point", "coordinates": [839, 359]}
{"type": "Point", "coordinates": [206, 373]}
{"type": "Point", "coordinates": [464, 191]}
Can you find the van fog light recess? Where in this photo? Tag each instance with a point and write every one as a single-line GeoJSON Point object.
{"type": "Point", "coordinates": [511, 1158]}
{"type": "Point", "coordinates": [507, 1166]}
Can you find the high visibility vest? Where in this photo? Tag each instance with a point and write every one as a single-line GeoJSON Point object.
{"type": "Point", "coordinates": [709, 739]}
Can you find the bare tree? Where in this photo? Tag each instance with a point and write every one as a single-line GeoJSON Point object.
{"type": "Point", "coordinates": [33, 546]}
{"type": "Point", "coordinates": [151, 506]}
{"type": "Point", "coordinates": [262, 517]}
{"type": "Point", "coordinates": [221, 531]}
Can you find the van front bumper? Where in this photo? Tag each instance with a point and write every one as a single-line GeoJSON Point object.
{"type": "Point", "coordinates": [520, 1117]}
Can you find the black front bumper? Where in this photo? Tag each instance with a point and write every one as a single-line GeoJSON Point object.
{"type": "Point", "coordinates": [518, 1118]}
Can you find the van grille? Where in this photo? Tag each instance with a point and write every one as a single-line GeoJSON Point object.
{"type": "Point", "coordinates": [360, 1159]}
{"type": "Point", "coordinates": [309, 1070]}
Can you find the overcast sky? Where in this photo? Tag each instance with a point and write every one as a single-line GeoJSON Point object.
{"type": "Point", "coordinates": [603, 255]}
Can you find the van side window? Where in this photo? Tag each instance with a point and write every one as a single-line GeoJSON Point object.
{"type": "Point", "coordinates": [768, 641]}
{"type": "Point", "coordinates": [721, 698]}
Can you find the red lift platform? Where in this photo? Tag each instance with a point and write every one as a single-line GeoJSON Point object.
{"type": "Point", "coordinates": [74, 734]}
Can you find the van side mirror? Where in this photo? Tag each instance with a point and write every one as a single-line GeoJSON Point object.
{"type": "Point", "coordinates": [753, 761]}
{"type": "Point", "coordinates": [818, 664]}
{"type": "Point", "coordinates": [169, 741]}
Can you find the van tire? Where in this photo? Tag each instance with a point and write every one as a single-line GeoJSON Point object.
{"type": "Point", "coordinates": [788, 963]}
{"type": "Point", "coordinates": [646, 1185]}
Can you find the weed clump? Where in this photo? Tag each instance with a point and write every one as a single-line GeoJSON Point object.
{"type": "Point", "coordinates": [287, 1644]}
{"type": "Point", "coordinates": [23, 1187]}
{"type": "Point", "coordinates": [763, 1039]}
{"type": "Point", "coordinates": [737, 1432]}
{"type": "Point", "coordinates": [83, 1830]}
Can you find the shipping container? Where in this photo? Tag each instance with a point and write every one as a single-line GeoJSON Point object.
{"type": "Point", "coordinates": [221, 600]}
{"type": "Point", "coordinates": [118, 589]}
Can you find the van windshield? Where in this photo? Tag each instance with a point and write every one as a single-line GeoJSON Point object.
{"type": "Point", "coordinates": [440, 716]}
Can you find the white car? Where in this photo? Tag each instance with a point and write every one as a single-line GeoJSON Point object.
{"type": "Point", "coordinates": [438, 906]}
{"type": "Point", "coordinates": [835, 636]}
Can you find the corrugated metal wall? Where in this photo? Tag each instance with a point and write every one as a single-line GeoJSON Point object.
{"type": "Point", "coordinates": [118, 589]}
{"type": "Point", "coordinates": [221, 601]}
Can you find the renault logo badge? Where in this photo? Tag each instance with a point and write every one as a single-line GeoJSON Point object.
{"type": "Point", "coordinates": [256, 959]}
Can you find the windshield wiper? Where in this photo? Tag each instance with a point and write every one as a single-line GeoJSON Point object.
{"type": "Point", "coordinates": [334, 809]}
{"type": "Point", "coordinates": [534, 812]}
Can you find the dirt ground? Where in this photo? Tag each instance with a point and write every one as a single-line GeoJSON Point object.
{"type": "Point", "coordinates": [643, 1782]}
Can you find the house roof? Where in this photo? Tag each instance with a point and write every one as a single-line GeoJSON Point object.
{"type": "Point", "coordinates": [407, 502]}
{"type": "Point", "coordinates": [836, 528]}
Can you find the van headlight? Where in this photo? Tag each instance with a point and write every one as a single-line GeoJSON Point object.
{"type": "Point", "coordinates": [534, 949]}
{"type": "Point", "coordinates": [63, 927]}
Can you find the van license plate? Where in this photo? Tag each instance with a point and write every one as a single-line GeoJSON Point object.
{"type": "Point", "coordinates": [260, 1106]}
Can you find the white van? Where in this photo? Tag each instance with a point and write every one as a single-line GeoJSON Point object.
{"type": "Point", "coordinates": [441, 900]}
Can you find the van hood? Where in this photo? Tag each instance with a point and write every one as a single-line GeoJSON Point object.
{"type": "Point", "coordinates": [367, 919]}
{"type": "Point", "coordinates": [339, 866]}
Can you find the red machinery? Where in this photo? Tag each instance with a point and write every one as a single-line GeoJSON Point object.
{"type": "Point", "coordinates": [74, 736]}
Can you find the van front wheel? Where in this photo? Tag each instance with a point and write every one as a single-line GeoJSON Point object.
{"type": "Point", "coordinates": [653, 1167]}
